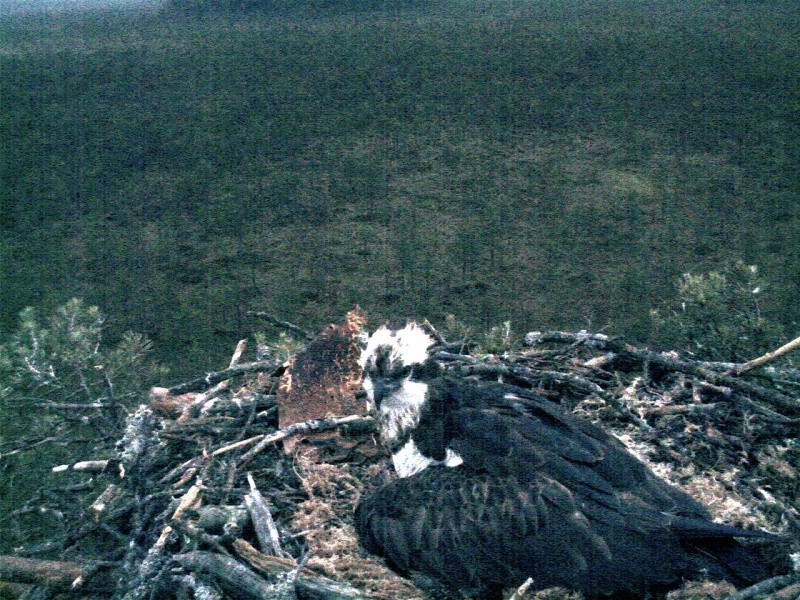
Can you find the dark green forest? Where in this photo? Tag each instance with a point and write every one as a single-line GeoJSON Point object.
{"type": "Point", "coordinates": [553, 163]}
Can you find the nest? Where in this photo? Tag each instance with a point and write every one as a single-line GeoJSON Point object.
{"type": "Point", "coordinates": [202, 500]}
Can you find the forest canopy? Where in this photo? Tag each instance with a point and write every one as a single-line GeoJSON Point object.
{"type": "Point", "coordinates": [552, 164]}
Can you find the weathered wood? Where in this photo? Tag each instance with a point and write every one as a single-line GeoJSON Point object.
{"type": "Point", "coordinates": [233, 578]}
{"type": "Point", "coordinates": [190, 409]}
{"type": "Point", "coordinates": [73, 405]}
{"type": "Point", "coordinates": [791, 592]}
{"type": "Point", "coordinates": [237, 445]}
{"type": "Point", "coordinates": [281, 323]}
{"type": "Point", "coordinates": [522, 591]}
{"type": "Point", "coordinates": [50, 573]}
{"type": "Point", "coordinates": [680, 409]}
{"type": "Point", "coordinates": [719, 389]}
{"type": "Point", "coordinates": [261, 517]}
{"type": "Point", "coordinates": [783, 376]}
{"type": "Point", "coordinates": [719, 379]}
{"type": "Point", "coordinates": [670, 362]}
{"type": "Point", "coordinates": [190, 500]}
{"type": "Point", "coordinates": [198, 589]}
{"type": "Point", "coordinates": [142, 573]}
{"type": "Point", "coordinates": [532, 375]}
{"type": "Point", "coordinates": [90, 466]}
{"type": "Point", "coordinates": [217, 518]}
{"type": "Point", "coordinates": [298, 428]}
{"type": "Point", "coordinates": [60, 575]}
{"type": "Point", "coordinates": [534, 338]}
{"type": "Point", "coordinates": [455, 357]}
{"type": "Point", "coordinates": [765, 587]}
{"type": "Point", "coordinates": [428, 327]}
{"type": "Point", "coordinates": [214, 377]}
{"type": "Point", "coordinates": [598, 362]}
{"type": "Point", "coordinates": [29, 446]}
{"type": "Point", "coordinates": [769, 356]}
{"type": "Point", "coordinates": [308, 585]}
{"type": "Point", "coordinates": [105, 502]}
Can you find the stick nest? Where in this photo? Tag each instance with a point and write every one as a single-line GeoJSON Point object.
{"type": "Point", "coordinates": [173, 514]}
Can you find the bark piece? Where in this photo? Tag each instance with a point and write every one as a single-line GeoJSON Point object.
{"type": "Point", "coordinates": [323, 381]}
{"type": "Point", "coordinates": [264, 525]}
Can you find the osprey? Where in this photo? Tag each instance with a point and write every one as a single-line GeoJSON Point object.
{"type": "Point", "coordinates": [498, 485]}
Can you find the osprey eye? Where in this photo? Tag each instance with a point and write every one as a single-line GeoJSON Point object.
{"type": "Point", "coordinates": [382, 360]}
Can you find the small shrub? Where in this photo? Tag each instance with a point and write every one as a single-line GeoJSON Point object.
{"type": "Point", "coordinates": [497, 340]}
{"type": "Point", "coordinates": [279, 349]}
{"type": "Point", "coordinates": [718, 315]}
{"type": "Point", "coordinates": [455, 330]}
{"type": "Point", "coordinates": [63, 359]}
{"type": "Point", "coordinates": [64, 396]}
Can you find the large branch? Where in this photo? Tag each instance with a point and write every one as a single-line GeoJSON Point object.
{"type": "Point", "coordinates": [308, 585]}
{"type": "Point", "coordinates": [762, 588]}
{"type": "Point", "coordinates": [267, 533]}
{"type": "Point", "coordinates": [213, 378]}
{"type": "Point", "coordinates": [693, 368]}
{"type": "Point", "coordinates": [534, 338]}
{"type": "Point", "coordinates": [757, 362]}
{"type": "Point", "coordinates": [282, 324]}
{"type": "Point", "coordinates": [298, 428]}
{"type": "Point", "coordinates": [232, 577]}
{"type": "Point", "coordinates": [51, 573]}
{"type": "Point", "coordinates": [532, 375]}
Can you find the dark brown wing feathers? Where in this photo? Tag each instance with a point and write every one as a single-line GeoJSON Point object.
{"type": "Point", "coordinates": [541, 494]}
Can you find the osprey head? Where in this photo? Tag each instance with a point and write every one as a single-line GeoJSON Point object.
{"type": "Point", "coordinates": [392, 360]}
{"type": "Point", "coordinates": [397, 368]}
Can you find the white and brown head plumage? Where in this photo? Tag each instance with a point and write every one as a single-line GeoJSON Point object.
{"type": "Point", "coordinates": [397, 368]}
